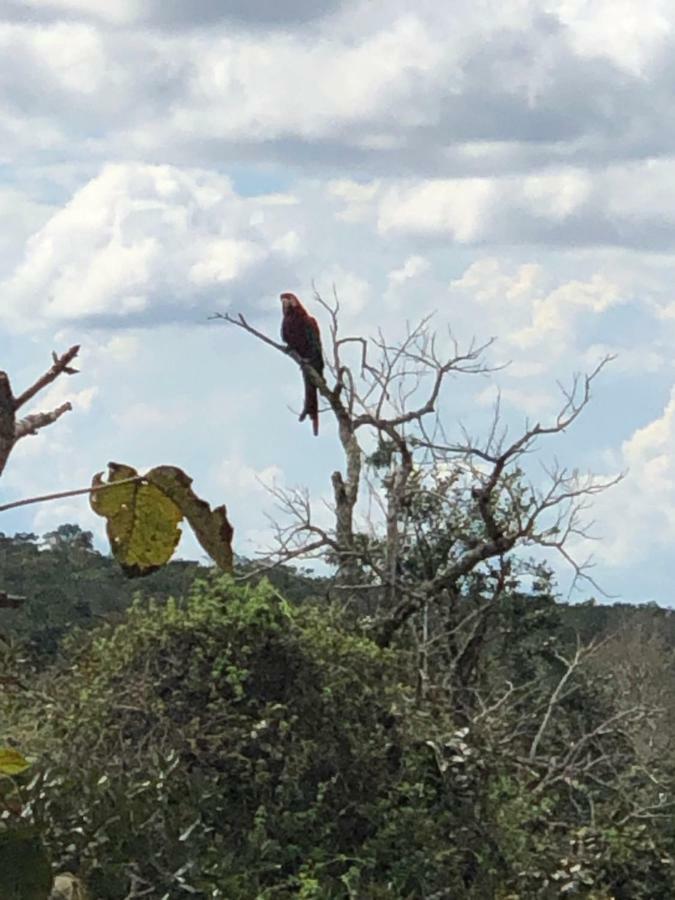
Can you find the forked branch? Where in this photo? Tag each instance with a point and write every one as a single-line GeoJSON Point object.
{"type": "Point", "coordinates": [390, 392]}
{"type": "Point", "coordinates": [11, 429]}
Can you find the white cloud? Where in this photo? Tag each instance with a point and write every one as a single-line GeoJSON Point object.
{"type": "Point", "coordinates": [354, 292]}
{"type": "Point", "coordinates": [509, 165]}
{"type": "Point", "coordinates": [236, 477]}
{"type": "Point", "coordinates": [143, 415]}
{"type": "Point", "coordinates": [140, 242]}
{"type": "Point", "coordinates": [628, 204]}
{"type": "Point", "coordinates": [62, 391]}
{"type": "Point", "coordinates": [224, 260]}
{"type": "Point", "coordinates": [74, 54]}
{"type": "Point", "coordinates": [554, 314]}
{"type": "Point", "coordinates": [356, 197]}
{"type": "Point", "coordinates": [20, 216]}
{"type": "Point", "coordinates": [558, 195]}
{"type": "Point", "coordinates": [631, 36]}
{"type": "Point", "coordinates": [487, 281]}
{"type": "Point", "coordinates": [459, 207]}
{"type": "Point", "coordinates": [245, 491]}
{"type": "Point", "coordinates": [637, 360]}
{"type": "Point", "coordinates": [245, 87]}
{"type": "Point", "coordinates": [637, 518]}
{"type": "Point", "coordinates": [49, 516]}
{"type": "Point", "coordinates": [458, 90]}
{"type": "Point", "coordinates": [122, 348]}
{"type": "Point", "coordinates": [532, 401]}
{"type": "Point", "coordinates": [536, 317]}
{"type": "Point", "coordinates": [411, 268]}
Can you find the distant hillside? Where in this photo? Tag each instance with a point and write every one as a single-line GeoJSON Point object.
{"type": "Point", "coordinates": [67, 584]}
{"type": "Point", "coordinates": [241, 747]}
{"type": "Point", "coordinates": [591, 618]}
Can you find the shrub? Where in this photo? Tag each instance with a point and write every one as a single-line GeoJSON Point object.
{"type": "Point", "coordinates": [233, 746]}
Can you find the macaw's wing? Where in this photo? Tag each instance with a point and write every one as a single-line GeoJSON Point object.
{"type": "Point", "coordinates": [314, 353]}
{"type": "Point", "coordinates": [293, 331]}
{"type": "Point", "coordinates": [288, 331]}
{"type": "Point", "coordinates": [300, 331]}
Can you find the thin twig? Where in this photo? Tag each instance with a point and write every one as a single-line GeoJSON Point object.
{"type": "Point", "coordinates": [78, 492]}
{"type": "Point", "coordinates": [33, 423]}
{"type": "Point", "coordinates": [61, 364]}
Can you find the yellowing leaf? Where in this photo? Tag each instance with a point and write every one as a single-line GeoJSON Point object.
{"type": "Point", "coordinates": [211, 527]}
{"type": "Point", "coordinates": [142, 522]}
{"type": "Point", "coordinates": [12, 762]}
{"type": "Point", "coordinates": [143, 514]}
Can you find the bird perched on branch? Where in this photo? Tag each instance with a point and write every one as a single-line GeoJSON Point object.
{"type": "Point", "coordinates": [301, 332]}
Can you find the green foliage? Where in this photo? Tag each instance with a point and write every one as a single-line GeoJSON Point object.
{"type": "Point", "coordinates": [234, 746]}
{"type": "Point", "coordinates": [68, 584]}
{"type": "Point", "coordinates": [25, 869]}
{"type": "Point", "coordinates": [25, 872]}
{"type": "Point", "coordinates": [12, 762]}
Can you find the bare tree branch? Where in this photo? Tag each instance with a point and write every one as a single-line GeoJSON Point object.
{"type": "Point", "coordinates": [570, 667]}
{"type": "Point", "coordinates": [33, 423]}
{"type": "Point", "coordinates": [7, 420]}
{"type": "Point", "coordinates": [10, 601]}
{"type": "Point", "coordinates": [60, 495]}
{"type": "Point", "coordinates": [61, 365]}
{"type": "Point", "coordinates": [391, 394]}
{"type": "Point", "coordinates": [11, 430]}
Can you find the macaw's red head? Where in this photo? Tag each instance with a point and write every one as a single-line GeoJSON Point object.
{"type": "Point", "coordinates": [290, 301]}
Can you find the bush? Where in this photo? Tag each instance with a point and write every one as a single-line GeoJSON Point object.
{"type": "Point", "coordinates": [231, 745]}
{"type": "Point", "coordinates": [234, 746]}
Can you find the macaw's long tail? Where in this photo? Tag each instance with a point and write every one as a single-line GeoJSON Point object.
{"type": "Point", "coordinates": [311, 404]}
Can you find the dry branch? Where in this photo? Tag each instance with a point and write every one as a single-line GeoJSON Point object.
{"type": "Point", "coordinates": [392, 395]}
{"type": "Point", "coordinates": [60, 365]}
{"type": "Point", "coordinates": [60, 495]}
{"type": "Point", "coordinates": [12, 430]}
{"type": "Point", "coordinates": [33, 423]}
{"type": "Point", "coordinates": [10, 601]}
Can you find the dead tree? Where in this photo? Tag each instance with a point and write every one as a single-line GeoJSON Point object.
{"type": "Point", "coordinates": [384, 397]}
{"type": "Point", "coordinates": [438, 528]}
{"type": "Point", "coordinates": [13, 428]}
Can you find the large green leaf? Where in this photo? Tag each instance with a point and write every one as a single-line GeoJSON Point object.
{"type": "Point", "coordinates": [142, 522]}
{"type": "Point", "coordinates": [12, 762]}
{"type": "Point", "coordinates": [143, 514]}
{"type": "Point", "coordinates": [25, 872]}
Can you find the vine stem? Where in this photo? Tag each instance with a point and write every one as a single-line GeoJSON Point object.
{"type": "Point", "coordinates": [62, 494]}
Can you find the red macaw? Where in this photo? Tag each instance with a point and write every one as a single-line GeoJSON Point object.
{"type": "Point", "coordinates": [301, 332]}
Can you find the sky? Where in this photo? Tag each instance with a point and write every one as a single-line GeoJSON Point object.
{"type": "Point", "coordinates": [510, 166]}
